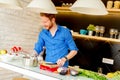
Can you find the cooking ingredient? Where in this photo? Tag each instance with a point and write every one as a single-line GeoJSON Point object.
{"type": "Point", "coordinates": [3, 51]}
{"type": "Point", "coordinates": [62, 70]}
{"type": "Point", "coordinates": [16, 49]}
{"type": "Point", "coordinates": [7, 57]}
{"type": "Point", "coordinates": [117, 77]}
{"type": "Point", "coordinates": [73, 72]}
{"type": "Point", "coordinates": [110, 75]}
{"type": "Point", "coordinates": [34, 61]}
{"type": "Point", "coordinates": [113, 75]}
{"type": "Point", "coordinates": [92, 74]}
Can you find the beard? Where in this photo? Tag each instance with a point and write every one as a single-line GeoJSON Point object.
{"type": "Point", "coordinates": [50, 26]}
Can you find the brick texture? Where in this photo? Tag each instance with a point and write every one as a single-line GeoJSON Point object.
{"type": "Point", "coordinates": [18, 28]}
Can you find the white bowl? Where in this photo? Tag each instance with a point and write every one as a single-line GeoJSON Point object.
{"type": "Point", "coordinates": [7, 57]}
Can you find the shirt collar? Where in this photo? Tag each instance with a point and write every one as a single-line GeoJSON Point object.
{"type": "Point", "coordinates": [46, 31]}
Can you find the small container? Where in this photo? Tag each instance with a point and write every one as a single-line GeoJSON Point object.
{"type": "Point", "coordinates": [26, 61]}
{"type": "Point", "coordinates": [62, 70]}
{"type": "Point", "coordinates": [100, 70]}
{"type": "Point", "coordinates": [34, 61]}
{"type": "Point", "coordinates": [116, 4]}
{"type": "Point", "coordinates": [90, 33]}
{"type": "Point", "coordinates": [83, 31]}
{"type": "Point", "coordinates": [109, 4]}
{"type": "Point", "coordinates": [119, 35]}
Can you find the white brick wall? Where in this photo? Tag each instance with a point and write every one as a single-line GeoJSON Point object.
{"type": "Point", "coordinates": [18, 27]}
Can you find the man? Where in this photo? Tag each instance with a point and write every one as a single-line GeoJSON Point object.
{"type": "Point", "coordinates": [57, 40]}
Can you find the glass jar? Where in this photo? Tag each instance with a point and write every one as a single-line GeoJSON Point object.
{"type": "Point", "coordinates": [34, 61]}
{"type": "Point", "coordinates": [116, 4]}
{"type": "Point", "coordinates": [119, 35]}
{"type": "Point", "coordinates": [109, 4]}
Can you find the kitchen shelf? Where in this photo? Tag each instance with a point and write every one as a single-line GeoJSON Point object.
{"type": "Point", "coordinates": [63, 9]}
{"type": "Point", "coordinates": [113, 10]}
{"type": "Point", "coordinates": [76, 35]}
{"type": "Point", "coordinates": [68, 10]}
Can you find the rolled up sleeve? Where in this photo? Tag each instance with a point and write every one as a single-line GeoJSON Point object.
{"type": "Point", "coordinates": [69, 41]}
{"type": "Point", "coordinates": [39, 44]}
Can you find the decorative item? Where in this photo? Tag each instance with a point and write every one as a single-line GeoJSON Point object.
{"type": "Point", "coordinates": [83, 31]}
{"type": "Point", "coordinates": [90, 29]}
{"type": "Point", "coordinates": [109, 4]}
{"type": "Point", "coordinates": [116, 4]}
{"type": "Point", "coordinates": [116, 33]}
{"type": "Point", "coordinates": [97, 30]}
{"type": "Point", "coordinates": [102, 30]}
{"type": "Point", "coordinates": [112, 31]}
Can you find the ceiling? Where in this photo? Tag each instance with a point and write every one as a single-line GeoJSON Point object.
{"type": "Point", "coordinates": [24, 3]}
{"type": "Point", "coordinates": [59, 2]}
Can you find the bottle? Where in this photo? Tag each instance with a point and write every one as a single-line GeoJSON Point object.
{"type": "Point", "coordinates": [109, 4]}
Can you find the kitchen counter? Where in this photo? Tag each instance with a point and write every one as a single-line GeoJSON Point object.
{"type": "Point", "coordinates": [35, 72]}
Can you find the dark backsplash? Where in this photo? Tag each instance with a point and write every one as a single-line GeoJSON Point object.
{"type": "Point", "coordinates": [77, 21]}
{"type": "Point", "coordinates": [91, 52]}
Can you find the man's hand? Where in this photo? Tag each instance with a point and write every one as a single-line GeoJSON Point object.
{"type": "Point", "coordinates": [61, 62]}
{"type": "Point", "coordinates": [34, 53]}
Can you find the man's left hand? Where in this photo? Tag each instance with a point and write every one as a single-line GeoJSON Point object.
{"type": "Point", "coordinates": [61, 62]}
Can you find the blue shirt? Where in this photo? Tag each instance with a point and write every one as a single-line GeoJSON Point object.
{"type": "Point", "coordinates": [57, 46]}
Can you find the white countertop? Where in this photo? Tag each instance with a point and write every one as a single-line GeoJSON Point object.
{"type": "Point", "coordinates": [35, 72]}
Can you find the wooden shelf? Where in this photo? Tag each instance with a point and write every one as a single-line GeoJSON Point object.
{"type": "Point", "coordinates": [113, 10]}
{"type": "Point", "coordinates": [67, 9]}
{"type": "Point", "coordinates": [76, 35]}
{"type": "Point", "coordinates": [63, 9]}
